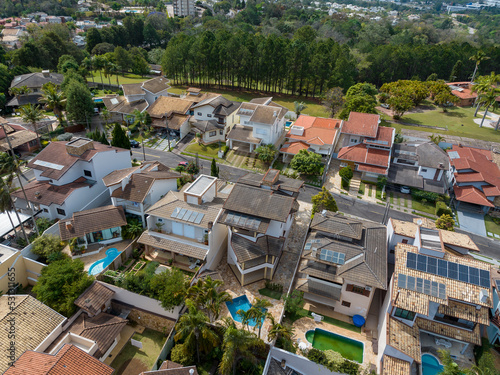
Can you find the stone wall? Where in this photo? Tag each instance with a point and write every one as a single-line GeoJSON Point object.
{"type": "Point", "coordinates": [145, 318]}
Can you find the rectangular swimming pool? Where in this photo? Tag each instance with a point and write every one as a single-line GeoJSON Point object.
{"type": "Point", "coordinates": [325, 340]}
{"type": "Point", "coordinates": [240, 303]}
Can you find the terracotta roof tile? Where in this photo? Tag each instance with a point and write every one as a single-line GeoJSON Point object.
{"type": "Point", "coordinates": [453, 332]}
{"type": "Point", "coordinates": [471, 194]}
{"type": "Point", "coordinates": [162, 242]}
{"type": "Point", "coordinates": [69, 360]}
{"type": "Point", "coordinates": [165, 106]}
{"type": "Point", "coordinates": [361, 154]}
{"type": "Point", "coordinates": [94, 297]}
{"type": "Point", "coordinates": [117, 176]}
{"type": "Point", "coordinates": [363, 124]}
{"type": "Point", "coordinates": [395, 366]}
{"type": "Point", "coordinates": [132, 89]}
{"type": "Point", "coordinates": [92, 220]}
{"type": "Point", "coordinates": [293, 147]}
{"type": "Point", "coordinates": [404, 338]}
{"type": "Point", "coordinates": [156, 85]}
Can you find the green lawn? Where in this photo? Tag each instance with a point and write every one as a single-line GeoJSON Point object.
{"type": "Point", "coordinates": [206, 150]}
{"type": "Point", "coordinates": [378, 193]}
{"type": "Point", "coordinates": [458, 120]}
{"type": "Point", "coordinates": [424, 207]}
{"type": "Point", "coordinates": [270, 293]}
{"type": "Point", "coordinates": [132, 358]}
{"type": "Point", "coordinates": [361, 188]}
{"type": "Point", "coordinates": [491, 226]}
{"type": "Point", "coordinates": [122, 78]}
{"type": "Point", "coordinates": [314, 108]}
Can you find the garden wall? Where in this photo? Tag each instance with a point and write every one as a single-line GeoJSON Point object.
{"type": "Point", "coordinates": [145, 318]}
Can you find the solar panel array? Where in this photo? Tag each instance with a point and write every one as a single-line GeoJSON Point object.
{"type": "Point", "coordinates": [187, 215]}
{"type": "Point", "coordinates": [243, 221]}
{"type": "Point", "coordinates": [448, 269]}
{"type": "Point", "coordinates": [310, 243]}
{"type": "Point", "coordinates": [332, 256]}
{"type": "Point", "coordinates": [416, 284]}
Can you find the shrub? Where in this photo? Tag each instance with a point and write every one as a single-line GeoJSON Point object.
{"type": "Point", "coordinates": [47, 244]}
{"type": "Point", "coordinates": [179, 354]}
{"type": "Point", "coordinates": [317, 356]}
{"type": "Point", "coordinates": [442, 209]}
{"type": "Point", "coordinates": [420, 195]}
{"type": "Point", "coordinates": [274, 286]}
{"type": "Point", "coordinates": [225, 149]}
{"type": "Point", "coordinates": [346, 174]}
{"type": "Point", "coordinates": [294, 302]}
{"type": "Point", "coordinates": [65, 137]}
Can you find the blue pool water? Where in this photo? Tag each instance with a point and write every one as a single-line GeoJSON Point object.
{"type": "Point", "coordinates": [430, 365]}
{"type": "Point", "coordinates": [101, 264]}
{"type": "Point", "coordinates": [98, 100]}
{"type": "Point", "coordinates": [240, 303]}
{"type": "Point", "coordinates": [288, 123]}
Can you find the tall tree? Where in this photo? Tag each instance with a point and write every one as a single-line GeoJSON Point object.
{"type": "Point", "coordinates": [79, 103]}
{"type": "Point", "coordinates": [237, 345]}
{"type": "Point", "coordinates": [32, 114]}
{"type": "Point", "coordinates": [333, 100]}
{"type": "Point", "coordinates": [324, 200]}
{"type": "Point", "coordinates": [53, 98]}
{"type": "Point", "coordinates": [478, 58]}
{"type": "Point", "coordinates": [119, 138]}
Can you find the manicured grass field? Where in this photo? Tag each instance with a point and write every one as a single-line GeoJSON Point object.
{"type": "Point", "coordinates": [424, 207]}
{"type": "Point", "coordinates": [132, 359]}
{"type": "Point", "coordinates": [491, 226]}
{"type": "Point", "coordinates": [314, 108]}
{"type": "Point", "coordinates": [270, 293]}
{"type": "Point", "coordinates": [206, 150]}
{"type": "Point", "coordinates": [122, 78]}
{"type": "Point", "coordinates": [458, 120]}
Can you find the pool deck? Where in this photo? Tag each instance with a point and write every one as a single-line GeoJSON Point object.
{"type": "Point", "coordinates": [94, 257]}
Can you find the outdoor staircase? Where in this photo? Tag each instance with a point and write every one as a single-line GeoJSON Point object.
{"type": "Point", "coordinates": [354, 186]}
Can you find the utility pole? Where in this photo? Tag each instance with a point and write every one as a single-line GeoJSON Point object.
{"type": "Point", "coordinates": [2, 123]}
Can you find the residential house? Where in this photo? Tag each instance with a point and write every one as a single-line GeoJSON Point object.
{"type": "Point", "coordinates": [213, 117]}
{"type": "Point", "coordinates": [493, 331]}
{"type": "Point", "coordinates": [420, 165]}
{"type": "Point", "coordinates": [34, 325]}
{"type": "Point", "coordinates": [70, 359]}
{"type": "Point", "coordinates": [34, 82]}
{"type": "Point", "coordinates": [282, 362]}
{"type": "Point", "coordinates": [92, 329]}
{"type": "Point", "coordinates": [12, 37]}
{"type": "Point", "coordinates": [463, 91]}
{"type": "Point", "coordinates": [258, 222]}
{"type": "Point", "coordinates": [272, 180]}
{"type": "Point", "coordinates": [20, 138]}
{"type": "Point", "coordinates": [435, 300]}
{"type": "Point", "coordinates": [171, 114]}
{"type": "Point", "coordinates": [172, 368]}
{"type": "Point", "coordinates": [365, 146]}
{"type": "Point", "coordinates": [183, 227]}
{"type": "Point", "coordinates": [149, 90]}
{"type": "Point", "coordinates": [68, 177]}
{"type": "Point", "coordinates": [310, 133]}
{"type": "Point", "coordinates": [137, 188]}
{"type": "Point", "coordinates": [98, 225]}
{"type": "Point", "coordinates": [475, 179]}
{"type": "Point", "coordinates": [184, 8]}
{"type": "Point", "coordinates": [121, 109]}
{"type": "Point", "coordinates": [432, 240]}
{"type": "Point", "coordinates": [343, 262]}
{"type": "Point", "coordinates": [261, 121]}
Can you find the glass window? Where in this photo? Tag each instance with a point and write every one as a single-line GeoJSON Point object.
{"type": "Point", "coordinates": [212, 134]}
{"type": "Point", "coordinates": [60, 211]}
{"type": "Point", "coordinates": [199, 114]}
{"type": "Point", "coordinates": [404, 314]}
{"type": "Point", "coordinates": [209, 115]}
{"type": "Point", "coordinates": [87, 173]}
{"type": "Point", "coordinates": [346, 304]}
{"type": "Point", "coordinates": [221, 132]}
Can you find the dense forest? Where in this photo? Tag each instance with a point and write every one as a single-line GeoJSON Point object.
{"type": "Point", "coordinates": [276, 47]}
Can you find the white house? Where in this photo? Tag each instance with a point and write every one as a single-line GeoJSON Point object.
{"type": "Point", "coordinates": [68, 177]}
{"type": "Point", "coordinates": [183, 228]}
{"type": "Point", "coordinates": [258, 222]}
{"type": "Point", "coordinates": [213, 117]}
{"type": "Point", "coordinates": [138, 188]}
{"type": "Point", "coordinates": [433, 302]}
{"type": "Point", "coordinates": [261, 121]}
{"type": "Point", "coordinates": [149, 90]}
{"type": "Point", "coordinates": [343, 262]}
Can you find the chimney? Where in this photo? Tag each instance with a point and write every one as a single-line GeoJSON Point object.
{"type": "Point", "coordinates": [78, 146]}
{"type": "Point", "coordinates": [69, 225]}
{"type": "Point", "coordinates": [191, 372]}
{"type": "Point", "coordinates": [46, 73]}
{"type": "Point", "coordinates": [275, 114]}
{"type": "Point", "coordinates": [483, 295]}
{"type": "Point", "coordinates": [38, 195]}
{"type": "Point", "coordinates": [323, 213]}
{"type": "Point", "coordinates": [210, 225]}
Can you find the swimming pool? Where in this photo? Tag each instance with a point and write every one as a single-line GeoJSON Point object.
{"type": "Point", "coordinates": [240, 303]}
{"type": "Point", "coordinates": [430, 365]}
{"type": "Point", "coordinates": [101, 264]}
{"type": "Point", "coordinates": [348, 348]}
{"type": "Point", "coordinates": [98, 100]}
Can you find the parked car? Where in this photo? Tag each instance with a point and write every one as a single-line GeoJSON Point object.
{"type": "Point", "coordinates": [183, 163]}
{"type": "Point", "coordinates": [405, 190]}
{"type": "Point", "coordinates": [385, 105]}
{"type": "Point", "coordinates": [134, 143]}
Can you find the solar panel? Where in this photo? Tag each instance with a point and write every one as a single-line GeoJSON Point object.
{"type": "Point", "coordinates": [484, 279]}
{"type": "Point", "coordinates": [181, 213]}
{"type": "Point", "coordinates": [410, 282]}
{"type": "Point", "coordinates": [442, 268]}
{"type": "Point", "coordinates": [193, 216]}
{"type": "Point", "coordinates": [463, 273]}
{"type": "Point", "coordinates": [308, 246]}
{"type": "Point", "coordinates": [186, 215]}
{"type": "Point", "coordinates": [432, 265]}
{"type": "Point", "coordinates": [332, 256]}
{"type": "Point", "coordinates": [427, 287]}
{"type": "Point", "coordinates": [411, 260]}
{"type": "Point", "coordinates": [453, 270]}
{"type": "Point", "coordinates": [422, 263]}
{"type": "Point", "coordinates": [474, 276]}
{"type": "Point", "coordinates": [402, 281]}
{"type": "Point", "coordinates": [176, 212]}
{"type": "Point", "coordinates": [199, 218]}
{"type": "Point", "coordinates": [417, 284]}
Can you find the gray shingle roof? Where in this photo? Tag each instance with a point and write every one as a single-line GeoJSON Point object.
{"type": "Point", "coordinates": [282, 183]}
{"type": "Point", "coordinates": [336, 224]}
{"type": "Point", "coordinates": [36, 80]}
{"type": "Point", "coordinates": [94, 297]}
{"type": "Point", "coordinates": [205, 126]}
{"type": "Point", "coordinates": [160, 242]}
{"type": "Point", "coordinates": [246, 250]}
{"type": "Point", "coordinates": [260, 203]}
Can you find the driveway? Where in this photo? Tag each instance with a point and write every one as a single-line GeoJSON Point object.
{"type": "Point", "coordinates": [472, 222]}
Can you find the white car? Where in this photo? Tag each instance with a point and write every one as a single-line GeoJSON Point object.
{"type": "Point", "coordinates": [405, 190]}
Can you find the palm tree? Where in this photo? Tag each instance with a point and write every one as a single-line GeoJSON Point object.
{"type": "Point", "coordinates": [6, 205]}
{"type": "Point", "coordinates": [106, 64]}
{"type": "Point", "coordinates": [98, 64]}
{"type": "Point", "coordinates": [113, 69]}
{"type": "Point", "coordinates": [193, 330]}
{"type": "Point", "coordinates": [483, 85]}
{"type": "Point", "coordinates": [489, 99]}
{"type": "Point", "coordinates": [258, 311]}
{"type": "Point", "coordinates": [143, 128]}
{"type": "Point", "coordinates": [477, 58]}
{"type": "Point", "coordinates": [106, 115]}
{"type": "Point", "coordinates": [32, 114]}
{"type": "Point", "coordinates": [53, 99]}
{"type": "Point", "coordinates": [279, 331]}
{"type": "Point", "coordinates": [205, 293]}
{"type": "Point", "coordinates": [238, 344]}
{"type": "Point", "coordinates": [246, 317]}
{"type": "Point", "coordinates": [88, 65]}
{"type": "Point", "coordinates": [436, 138]}
{"type": "Point", "coordinates": [299, 107]}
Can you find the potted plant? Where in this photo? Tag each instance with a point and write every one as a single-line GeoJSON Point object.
{"type": "Point", "coordinates": [159, 226]}
{"type": "Point", "coordinates": [206, 239]}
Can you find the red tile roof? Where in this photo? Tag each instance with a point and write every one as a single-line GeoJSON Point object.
{"type": "Point", "coordinates": [471, 194]}
{"type": "Point", "coordinates": [384, 137]}
{"type": "Point", "coordinates": [69, 360]}
{"type": "Point", "coordinates": [372, 169]}
{"type": "Point", "coordinates": [317, 130]}
{"type": "Point", "coordinates": [363, 124]}
{"type": "Point", "coordinates": [361, 154]}
{"type": "Point", "coordinates": [293, 147]}
{"type": "Point", "coordinates": [484, 170]}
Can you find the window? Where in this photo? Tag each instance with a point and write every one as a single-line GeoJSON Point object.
{"type": "Point", "coordinates": [212, 134]}
{"type": "Point", "coordinates": [209, 115]}
{"type": "Point", "coordinates": [404, 241]}
{"type": "Point", "coordinates": [45, 210]}
{"type": "Point", "coordinates": [261, 131]}
{"type": "Point", "coordinates": [354, 140]}
{"type": "Point", "coordinates": [404, 314]}
{"type": "Point", "coordinates": [60, 211]}
{"type": "Point", "coordinates": [199, 113]}
{"type": "Point", "coordinates": [346, 304]}
{"type": "Point", "coordinates": [87, 173]}
{"type": "Point", "coordinates": [358, 289]}
{"type": "Point", "coordinates": [424, 170]}
{"type": "Point", "coordinates": [391, 251]}
{"type": "Point", "coordinates": [221, 132]}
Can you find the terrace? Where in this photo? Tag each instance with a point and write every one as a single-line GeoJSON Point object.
{"type": "Point", "coordinates": [96, 252]}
